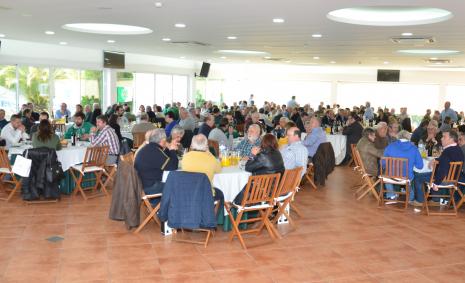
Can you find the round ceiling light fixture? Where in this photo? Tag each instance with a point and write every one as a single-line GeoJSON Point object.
{"type": "Point", "coordinates": [422, 52]}
{"type": "Point", "coordinates": [100, 28]}
{"type": "Point", "coordinates": [242, 52]}
{"type": "Point", "coordinates": [389, 15]}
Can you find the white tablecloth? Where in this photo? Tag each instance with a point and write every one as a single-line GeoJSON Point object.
{"type": "Point", "coordinates": [126, 134]}
{"type": "Point", "coordinates": [68, 156]}
{"type": "Point", "coordinates": [339, 146]}
{"type": "Point", "coordinates": [426, 168]}
{"type": "Point", "coordinates": [230, 181]}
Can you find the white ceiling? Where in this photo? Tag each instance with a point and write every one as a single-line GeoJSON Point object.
{"type": "Point", "coordinates": [211, 21]}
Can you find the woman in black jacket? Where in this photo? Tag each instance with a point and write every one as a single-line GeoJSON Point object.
{"type": "Point", "coordinates": [266, 160]}
{"type": "Point", "coordinates": [113, 122]}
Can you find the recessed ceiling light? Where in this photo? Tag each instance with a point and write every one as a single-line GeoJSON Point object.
{"type": "Point", "coordinates": [158, 4]}
{"type": "Point", "coordinates": [2, 35]}
{"type": "Point", "coordinates": [316, 35]}
{"type": "Point", "coordinates": [182, 57]}
{"type": "Point", "coordinates": [49, 32]}
{"type": "Point", "coordinates": [278, 21]}
{"type": "Point", "coordinates": [107, 28]}
{"type": "Point", "coordinates": [243, 52]}
{"type": "Point", "coordinates": [389, 15]}
{"type": "Point", "coordinates": [247, 61]}
{"type": "Point", "coordinates": [407, 34]}
{"type": "Point", "coordinates": [63, 42]}
{"type": "Point", "coordinates": [232, 37]}
{"type": "Point", "coordinates": [180, 25]}
{"type": "Point", "coordinates": [332, 62]}
{"type": "Point", "coordinates": [288, 61]}
{"type": "Point", "coordinates": [166, 39]}
{"type": "Point", "coordinates": [111, 41]}
{"type": "Point", "coordinates": [385, 62]}
{"type": "Point", "coordinates": [433, 58]}
{"type": "Point", "coordinates": [223, 57]}
{"type": "Point", "coordinates": [267, 57]}
{"type": "Point", "coordinates": [428, 51]}
{"type": "Point", "coordinates": [316, 57]}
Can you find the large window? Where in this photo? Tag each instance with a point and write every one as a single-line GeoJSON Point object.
{"type": "Point", "coordinates": [144, 90]}
{"type": "Point", "coordinates": [8, 89]}
{"type": "Point", "coordinates": [33, 86]}
{"type": "Point", "coordinates": [163, 89]}
{"type": "Point", "coordinates": [456, 95]}
{"type": "Point", "coordinates": [125, 88]}
{"type": "Point", "coordinates": [180, 89]}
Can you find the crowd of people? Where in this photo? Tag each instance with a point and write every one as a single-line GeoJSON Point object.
{"type": "Point", "coordinates": [272, 135]}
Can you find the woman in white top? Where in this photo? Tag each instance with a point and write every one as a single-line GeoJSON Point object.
{"type": "Point", "coordinates": [219, 134]}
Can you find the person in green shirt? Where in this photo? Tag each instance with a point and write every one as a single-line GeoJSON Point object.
{"type": "Point", "coordinates": [45, 137]}
{"type": "Point", "coordinates": [80, 128]}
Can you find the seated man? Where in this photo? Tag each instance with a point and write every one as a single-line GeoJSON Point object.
{"type": "Point", "coordinates": [14, 132]}
{"type": "Point", "coordinates": [176, 136]}
{"type": "Point", "coordinates": [152, 159]}
{"type": "Point", "coordinates": [451, 153]}
{"type": "Point", "coordinates": [403, 148]}
{"type": "Point", "coordinates": [353, 132]}
{"type": "Point", "coordinates": [279, 130]}
{"type": "Point", "coordinates": [62, 112]}
{"type": "Point", "coordinates": [295, 153]}
{"type": "Point", "coordinates": [144, 125]}
{"type": "Point", "coordinates": [170, 122]}
{"type": "Point", "coordinates": [186, 121]}
{"type": "Point", "coordinates": [104, 135]}
{"type": "Point", "coordinates": [381, 140]}
{"type": "Point", "coordinates": [315, 136]}
{"type": "Point", "coordinates": [200, 160]}
{"type": "Point", "coordinates": [207, 125]}
{"type": "Point", "coordinates": [253, 139]}
{"type": "Point", "coordinates": [368, 152]}
{"type": "Point", "coordinates": [80, 127]}
{"type": "Point", "coordinates": [42, 116]}
{"type": "Point", "coordinates": [3, 121]}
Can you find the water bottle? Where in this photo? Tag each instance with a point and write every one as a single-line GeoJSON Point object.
{"type": "Point", "coordinates": [73, 139]}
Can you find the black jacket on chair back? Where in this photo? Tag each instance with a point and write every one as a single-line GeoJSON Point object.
{"type": "Point", "coordinates": [44, 160]}
{"type": "Point", "coordinates": [266, 162]}
{"type": "Point", "coordinates": [324, 162]}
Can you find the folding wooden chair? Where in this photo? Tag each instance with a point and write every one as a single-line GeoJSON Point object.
{"type": "Point", "coordinates": [357, 167]}
{"type": "Point", "coordinates": [369, 181]}
{"type": "Point", "coordinates": [285, 194]}
{"type": "Point", "coordinates": [138, 139]}
{"type": "Point", "coordinates": [94, 162]}
{"type": "Point", "coordinates": [462, 195]}
{"type": "Point", "coordinates": [5, 170]}
{"type": "Point", "coordinates": [258, 197]}
{"type": "Point", "coordinates": [60, 127]}
{"type": "Point", "coordinates": [394, 171]}
{"type": "Point", "coordinates": [352, 159]}
{"type": "Point", "coordinates": [109, 173]}
{"type": "Point", "coordinates": [151, 211]}
{"type": "Point", "coordinates": [310, 175]}
{"type": "Point", "coordinates": [448, 183]}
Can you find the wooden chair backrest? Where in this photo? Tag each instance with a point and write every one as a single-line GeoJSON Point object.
{"type": "Point", "coordinates": [455, 168]}
{"type": "Point", "coordinates": [356, 157]}
{"type": "Point", "coordinates": [215, 145]}
{"type": "Point", "coordinates": [95, 156]}
{"type": "Point", "coordinates": [4, 161]}
{"type": "Point", "coordinates": [128, 157]}
{"type": "Point", "coordinates": [61, 127]}
{"type": "Point", "coordinates": [138, 139]}
{"type": "Point", "coordinates": [360, 161]}
{"type": "Point", "coordinates": [391, 167]}
{"type": "Point", "coordinates": [260, 188]}
{"type": "Point", "coordinates": [289, 181]}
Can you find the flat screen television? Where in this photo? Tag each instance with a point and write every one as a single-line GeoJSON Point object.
{"type": "Point", "coordinates": [388, 75]}
{"type": "Point", "coordinates": [205, 69]}
{"type": "Point", "coordinates": [114, 60]}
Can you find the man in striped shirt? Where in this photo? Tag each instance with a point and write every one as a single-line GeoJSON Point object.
{"type": "Point", "coordinates": [105, 135]}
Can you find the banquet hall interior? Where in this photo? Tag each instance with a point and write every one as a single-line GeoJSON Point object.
{"type": "Point", "coordinates": [161, 141]}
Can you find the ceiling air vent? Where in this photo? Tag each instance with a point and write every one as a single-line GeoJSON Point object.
{"type": "Point", "coordinates": [413, 40]}
{"type": "Point", "coordinates": [274, 59]}
{"type": "Point", "coordinates": [437, 61]}
{"type": "Point", "coordinates": [196, 43]}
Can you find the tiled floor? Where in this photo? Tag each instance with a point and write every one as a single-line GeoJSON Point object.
{"type": "Point", "coordinates": [338, 240]}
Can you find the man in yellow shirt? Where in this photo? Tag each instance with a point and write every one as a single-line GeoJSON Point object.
{"type": "Point", "coordinates": [200, 160]}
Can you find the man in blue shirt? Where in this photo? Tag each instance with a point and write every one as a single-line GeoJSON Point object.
{"type": "Point", "coordinates": [170, 122]}
{"type": "Point", "coordinates": [294, 154]}
{"type": "Point", "coordinates": [448, 112]}
{"type": "Point", "coordinates": [315, 136]}
{"type": "Point", "coordinates": [368, 112]}
{"type": "Point", "coordinates": [62, 112]}
{"type": "Point", "coordinates": [403, 148]}
{"type": "Point", "coordinates": [253, 139]}
{"type": "Point", "coordinates": [3, 121]}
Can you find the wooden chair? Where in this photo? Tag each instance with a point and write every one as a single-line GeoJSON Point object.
{"type": "Point", "coordinates": [151, 211]}
{"type": "Point", "coordinates": [60, 127]}
{"type": "Point", "coordinates": [258, 197]}
{"type": "Point", "coordinates": [462, 195]}
{"type": "Point", "coordinates": [394, 171]}
{"type": "Point", "coordinates": [285, 194]}
{"type": "Point", "coordinates": [352, 160]}
{"type": "Point", "coordinates": [357, 167]}
{"type": "Point", "coordinates": [310, 176]}
{"type": "Point", "coordinates": [369, 182]}
{"type": "Point", "coordinates": [5, 170]}
{"type": "Point", "coordinates": [448, 183]}
{"type": "Point", "coordinates": [138, 139]}
{"type": "Point", "coordinates": [216, 147]}
{"type": "Point", "coordinates": [94, 162]}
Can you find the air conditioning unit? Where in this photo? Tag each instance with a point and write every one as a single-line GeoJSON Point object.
{"type": "Point", "coordinates": [413, 40]}
{"type": "Point", "coordinates": [190, 42]}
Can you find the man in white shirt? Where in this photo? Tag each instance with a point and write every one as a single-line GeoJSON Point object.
{"type": "Point", "coordinates": [14, 131]}
{"type": "Point", "coordinates": [292, 103]}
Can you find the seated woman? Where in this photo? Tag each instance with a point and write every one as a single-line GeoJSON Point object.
{"type": "Point", "coordinates": [45, 137]}
{"type": "Point", "coordinates": [266, 159]}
